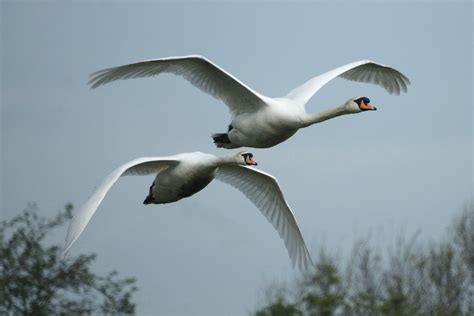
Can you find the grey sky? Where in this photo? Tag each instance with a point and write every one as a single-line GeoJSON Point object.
{"type": "Point", "coordinates": [407, 166]}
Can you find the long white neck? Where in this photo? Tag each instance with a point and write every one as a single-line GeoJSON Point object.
{"type": "Point", "coordinates": [313, 118]}
{"type": "Point", "coordinates": [229, 160]}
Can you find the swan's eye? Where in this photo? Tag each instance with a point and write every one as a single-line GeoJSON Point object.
{"type": "Point", "coordinates": [362, 99]}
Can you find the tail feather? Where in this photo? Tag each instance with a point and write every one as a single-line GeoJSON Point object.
{"type": "Point", "coordinates": [148, 200]}
{"type": "Point", "coordinates": [221, 140]}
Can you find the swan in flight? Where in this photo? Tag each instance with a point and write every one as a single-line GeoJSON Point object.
{"type": "Point", "coordinates": [183, 175]}
{"type": "Point", "coordinates": [257, 120]}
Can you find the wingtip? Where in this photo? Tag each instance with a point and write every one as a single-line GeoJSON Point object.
{"type": "Point", "coordinates": [92, 82]}
{"type": "Point", "coordinates": [407, 81]}
{"type": "Point", "coordinates": [65, 255]}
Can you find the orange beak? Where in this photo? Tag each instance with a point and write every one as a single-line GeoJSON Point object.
{"type": "Point", "coordinates": [367, 106]}
{"type": "Point", "coordinates": [249, 161]}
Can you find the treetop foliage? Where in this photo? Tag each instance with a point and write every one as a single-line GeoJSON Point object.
{"type": "Point", "coordinates": [412, 278]}
{"type": "Point", "coordinates": [35, 280]}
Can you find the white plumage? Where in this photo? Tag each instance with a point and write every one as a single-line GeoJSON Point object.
{"type": "Point", "coordinates": [257, 120]}
{"type": "Point", "coordinates": [185, 174]}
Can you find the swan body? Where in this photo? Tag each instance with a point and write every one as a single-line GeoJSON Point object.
{"type": "Point", "coordinates": [257, 120]}
{"type": "Point", "coordinates": [192, 174]}
{"type": "Point", "coordinates": [183, 175]}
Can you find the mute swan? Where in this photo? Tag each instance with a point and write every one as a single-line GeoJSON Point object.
{"type": "Point", "coordinates": [185, 174]}
{"type": "Point", "coordinates": [260, 121]}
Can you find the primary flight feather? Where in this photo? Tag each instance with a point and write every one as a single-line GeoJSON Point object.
{"type": "Point", "coordinates": [257, 120]}
{"type": "Point", "coordinates": [183, 175]}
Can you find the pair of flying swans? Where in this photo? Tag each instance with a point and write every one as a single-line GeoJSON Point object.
{"type": "Point", "coordinates": [257, 121]}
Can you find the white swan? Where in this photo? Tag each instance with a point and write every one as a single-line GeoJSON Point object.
{"type": "Point", "coordinates": [260, 121]}
{"type": "Point", "coordinates": [185, 174]}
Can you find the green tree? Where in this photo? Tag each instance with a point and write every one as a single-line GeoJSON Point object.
{"type": "Point", "coordinates": [363, 274]}
{"type": "Point", "coordinates": [324, 293]}
{"type": "Point", "coordinates": [35, 280]}
{"type": "Point", "coordinates": [280, 308]}
{"type": "Point", "coordinates": [411, 278]}
{"type": "Point", "coordinates": [395, 299]}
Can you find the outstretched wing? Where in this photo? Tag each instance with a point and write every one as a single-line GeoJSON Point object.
{"type": "Point", "coordinates": [263, 190]}
{"type": "Point", "coordinates": [198, 70]}
{"type": "Point", "coordinates": [140, 166]}
{"type": "Point", "coordinates": [363, 71]}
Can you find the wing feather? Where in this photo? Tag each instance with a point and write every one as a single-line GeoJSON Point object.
{"type": "Point", "coordinates": [366, 71]}
{"type": "Point", "coordinates": [263, 190]}
{"type": "Point", "coordinates": [140, 166]}
{"type": "Point", "coordinates": [198, 70]}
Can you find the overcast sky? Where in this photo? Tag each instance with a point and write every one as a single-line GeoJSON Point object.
{"type": "Point", "coordinates": [405, 167]}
